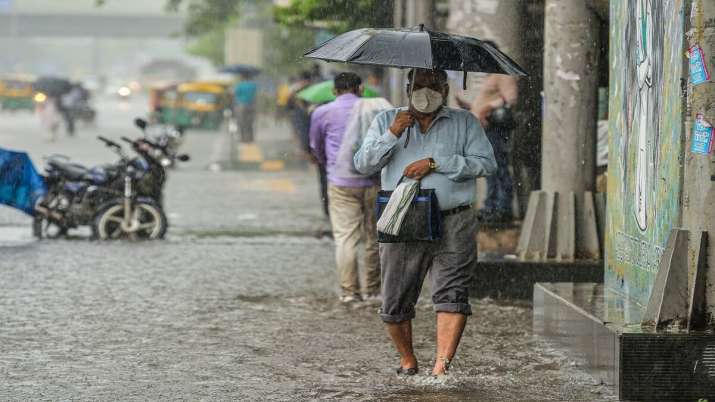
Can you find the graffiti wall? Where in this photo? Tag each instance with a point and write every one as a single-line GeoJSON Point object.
{"type": "Point", "coordinates": [645, 127]}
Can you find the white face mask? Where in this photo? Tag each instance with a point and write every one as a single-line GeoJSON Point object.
{"type": "Point", "coordinates": [426, 100]}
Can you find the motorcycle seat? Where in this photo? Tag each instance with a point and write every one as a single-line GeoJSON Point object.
{"type": "Point", "coordinates": [72, 171]}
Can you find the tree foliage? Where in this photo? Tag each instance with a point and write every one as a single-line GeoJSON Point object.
{"type": "Point", "coordinates": [295, 32]}
{"type": "Point", "coordinates": [206, 16]}
{"type": "Point", "coordinates": [209, 45]}
{"type": "Point", "coordinates": [336, 15]}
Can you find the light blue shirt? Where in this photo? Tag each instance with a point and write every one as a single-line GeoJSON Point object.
{"type": "Point", "coordinates": [245, 92]}
{"type": "Point", "coordinates": [455, 140]}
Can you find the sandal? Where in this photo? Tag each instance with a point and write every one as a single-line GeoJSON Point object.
{"type": "Point", "coordinates": [407, 371]}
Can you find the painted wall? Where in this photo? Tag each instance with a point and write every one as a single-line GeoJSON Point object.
{"type": "Point", "coordinates": [645, 141]}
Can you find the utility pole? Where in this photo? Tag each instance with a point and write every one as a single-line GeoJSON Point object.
{"type": "Point", "coordinates": [408, 14]}
{"type": "Point", "coordinates": [396, 75]}
{"type": "Point", "coordinates": [570, 97]}
{"type": "Point", "coordinates": [419, 12]}
{"type": "Point", "coordinates": [560, 220]}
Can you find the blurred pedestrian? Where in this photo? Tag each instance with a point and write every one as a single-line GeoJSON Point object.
{"type": "Point", "coordinates": [446, 149]}
{"type": "Point", "coordinates": [300, 120]}
{"type": "Point", "coordinates": [67, 103]}
{"type": "Point", "coordinates": [245, 102]}
{"type": "Point", "coordinates": [283, 94]}
{"type": "Point", "coordinates": [351, 195]}
{"type": "Point", "coordinates": [299, 116]}
{"type": "Point", "coordinates": [493, 107]}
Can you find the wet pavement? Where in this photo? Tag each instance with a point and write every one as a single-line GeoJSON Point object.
{"type": "Point", "coordinates": [238, 303]}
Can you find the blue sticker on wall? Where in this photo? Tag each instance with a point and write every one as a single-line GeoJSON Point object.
{"type": "Point", "coordinates": [702, 136]}
{"type": "Point", "coordinates": [698, 70]}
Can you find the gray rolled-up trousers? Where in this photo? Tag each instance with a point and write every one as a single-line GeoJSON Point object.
{"type": "Point", "coordinates": [450, 263]}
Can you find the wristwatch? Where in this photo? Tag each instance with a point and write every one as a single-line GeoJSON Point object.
{"type": "Point", "coordinates": [432, 164]}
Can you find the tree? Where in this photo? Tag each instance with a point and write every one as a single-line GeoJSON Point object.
{"type": "Point", "coordinates": [209, 45]}
{"type": "Point", "coordinates": [297, 25]}
{"type": "Point", "coordinates": [206, 16]}
{"type": "Point", "coordinates": [336, 16]}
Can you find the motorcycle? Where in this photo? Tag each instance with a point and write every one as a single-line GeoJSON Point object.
{"type": "Point", "coordinates": [123, 200]}
{"type": "Point", "coordinates": [168, 138]}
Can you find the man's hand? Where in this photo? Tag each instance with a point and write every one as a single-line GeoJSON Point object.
{"type": "Point", "coordinates": [418, 170]}
{"type": "Point", "coordinates": [483, 114]}
{"type": "Point", "coordinates": [402, 120]}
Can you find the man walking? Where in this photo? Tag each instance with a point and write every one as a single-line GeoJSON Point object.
{"type": "Point", "coordinates": [497, 92]}
{"type": "Point", "coordinates": [351, 196]}
{"type": "Point", "coordinates": [245, 100]}
{"type": "Point", "coordinates": [447, 150]}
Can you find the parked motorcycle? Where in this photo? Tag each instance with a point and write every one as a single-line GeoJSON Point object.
{"type": "Point", "coordinates": [122, 200]}
{"type": "Point", "coordinates": [168, 137]}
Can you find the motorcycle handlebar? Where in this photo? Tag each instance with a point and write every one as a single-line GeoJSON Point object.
{"type": "Point", "coordinates": [108, 141]}
{"type": "Point", "coordinates": [129, 140]}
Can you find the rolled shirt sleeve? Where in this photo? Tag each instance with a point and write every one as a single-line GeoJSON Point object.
{"type": "Point", "coordinates": [477, 159]}
{"type": "Point", "coordinates": [377, 147]}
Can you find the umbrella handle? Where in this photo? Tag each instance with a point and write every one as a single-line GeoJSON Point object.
{"type": "Point", "coordinates": [409, 102]}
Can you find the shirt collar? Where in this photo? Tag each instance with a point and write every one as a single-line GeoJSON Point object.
{"type": "Point", "coordinates": [346, 96]}
{"type": "Point", "coordinates": [442, 113]}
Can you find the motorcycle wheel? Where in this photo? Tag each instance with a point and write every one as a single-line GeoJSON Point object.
{"type": "Point", "coordinates": [43, 228]}
{"type": "Point", "coordinates": [151, 219]}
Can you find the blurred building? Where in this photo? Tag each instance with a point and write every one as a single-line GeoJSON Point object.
{"type": "Point", "coordinates": [79, 39]}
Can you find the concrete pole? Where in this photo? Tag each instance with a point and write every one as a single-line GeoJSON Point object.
{"type": "Point", "coordinates": [699, 170]}
{"type": "Point", "coordinates": [414, 12]}
{"type": "Point", "coordinates": [420, 12]}
{"type": "Point", "coordinates": [570, 97]}
{"type": "Point", "coordinates": [396, 88]}
{"type": "Point", "coordinates": [560, 220]}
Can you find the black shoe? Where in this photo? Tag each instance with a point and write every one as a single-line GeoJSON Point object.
{"type": "Point", "coordinates": [484, 214]}
{"type": "Point", "coordinates": [407, 371]}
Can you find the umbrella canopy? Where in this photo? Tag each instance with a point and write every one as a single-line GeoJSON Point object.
{"type": "Point", "coordinates": [323, 92]}
{"type": "Point", "coordinates": [416, 48]}
{"type": "Point", "coordinates": [52, 86]}
{"type": "Point", "coordinates": [241, 69]}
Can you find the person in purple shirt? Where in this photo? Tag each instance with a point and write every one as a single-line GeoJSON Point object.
{"type": "Point", "coordinates": [351, 195]}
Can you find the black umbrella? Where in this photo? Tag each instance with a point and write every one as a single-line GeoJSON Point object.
{"type": "Point", "coordinates": [52, 86]}
{"type": "Point", "coordinates": [416, 48]}
{"type": "Point", "coordinates": [241, 69]}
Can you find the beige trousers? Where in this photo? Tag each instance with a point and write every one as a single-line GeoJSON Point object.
{"type": "Point", "coordinates": [352, 215]}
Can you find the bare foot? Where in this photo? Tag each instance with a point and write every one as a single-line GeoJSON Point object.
{"type": "Point", "coordinates": [440, 366]}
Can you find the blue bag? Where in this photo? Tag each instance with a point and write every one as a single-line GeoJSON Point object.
{"type": "Point", "coordinates": [423, 220]}
{"type": "Point", "coordinates": [20, 184]}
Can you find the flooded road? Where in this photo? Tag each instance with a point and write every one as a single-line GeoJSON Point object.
{"type": "Point", "coordinates": [239, 303]}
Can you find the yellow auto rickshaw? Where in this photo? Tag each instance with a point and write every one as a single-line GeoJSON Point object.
{"type": "Point", "coordinates": [16, 92]}
{"type": "Point", "coordinates": [163, 103]}
{"type": "Point", "coordinates": [201, 104]}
